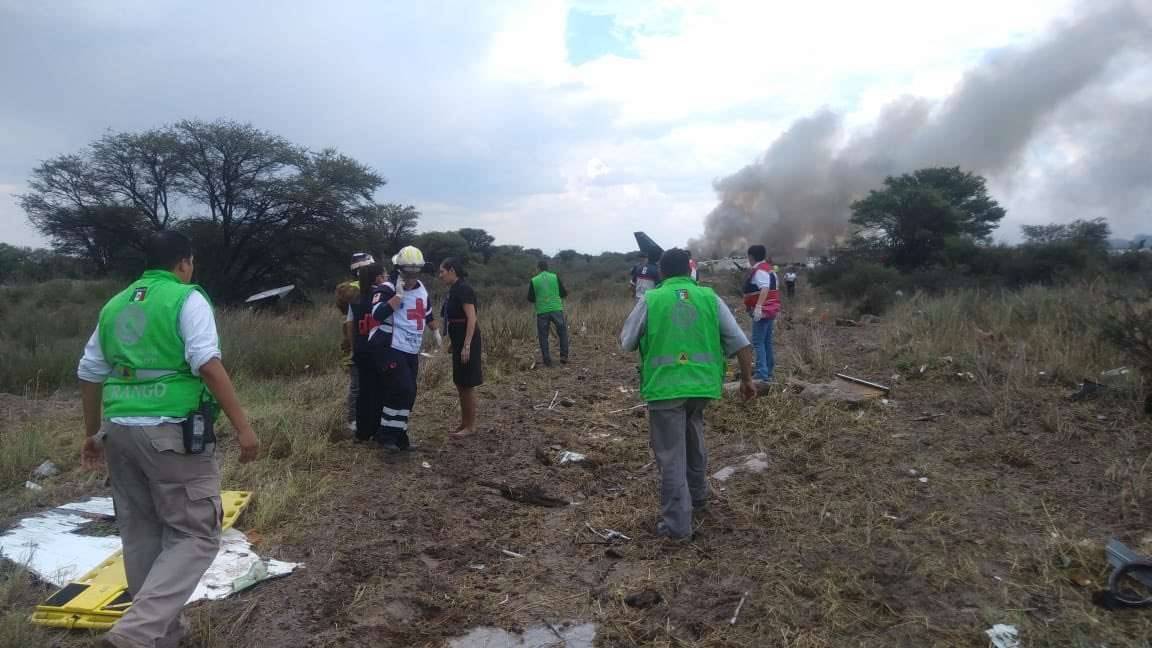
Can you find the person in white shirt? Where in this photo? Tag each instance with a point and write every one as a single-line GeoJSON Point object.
{"type": "Point", "coordinates": [150, 381]}
{"type": "Point", "coordinates": [790, 282]}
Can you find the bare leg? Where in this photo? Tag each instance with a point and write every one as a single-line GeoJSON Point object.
{"type": "Point", "coordinates": [467, 411]}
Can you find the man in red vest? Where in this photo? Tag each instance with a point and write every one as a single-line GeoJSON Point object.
{"type": "Point", "coordinates": [762, 299]}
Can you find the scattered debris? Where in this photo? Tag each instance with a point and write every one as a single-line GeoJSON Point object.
{"type": "Point", "coordinates": [425, 464]}
{"type": "Point", "coordinates": [526, 495]}
{"type": "Point", "coordinates": [754, 463]}
{"type": "Point", "coordinates": [736, 614]}
{"type": "Point", "coordinates": [511, 554]}
{"type": "Point", "coordinates": [53, 550]}
{"type": "Point", "coordinates": [628, 409]}
{"type": "Point", "coordinates": [966, 375]}
{"type": "Point", "coordinates": [843, 321]}
{"type": "Point", "coordinates": [46, 470]}
{"type": "Point", "coordinates": [270, 297]}
{"type": "Point", "coordinates": [568, 456]}
{"type": "Point", "coordinates": [567, 402]}
{"type": "Point", "coordinates": [1087, 390]}
{"type": "Point", "coordinates": [625, 390]}
{"type": "Point", "coordinates": [607, 534]}
{"type": "Point", "coordinates": [923, 480]}
{"type": "Point", "coordinates": [1129, 568]}
{"type": "Point", "coordinates": [912, 472]}
{"type": "Point", "coordinates": [643, 600]}
{"type": "Point", "coordinates": [926, 416]}
{"type": "Point", "coordinates": [1116, 377]}
{"type": "Point", "coordinates": [565, 635]}
{"type": "Point", "coordinates": [31, 485]}
{"type": "Point", "coordinates": [842, 389]}
{"type": "Point", "coordinates": [869, 319]}
{"type": "Point", "coordinates": [1004, 636]}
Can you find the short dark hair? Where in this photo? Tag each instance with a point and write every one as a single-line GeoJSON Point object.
{"type": "Point", "coordinates": [367, 277]}
{"type": "Point", "coordinates": [455, 264]}
{"type": "Point", "coordinates": [674, 263]}
{"type": "Point", "coordinates": [757, 252]}
{"type": "Point", "coordinates": [165, 249]}
{"type": "Point", "coordinates": [542, 264]}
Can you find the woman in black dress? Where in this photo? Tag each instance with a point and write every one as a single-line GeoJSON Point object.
{"type": "Point", "coordinates": [459, 315]}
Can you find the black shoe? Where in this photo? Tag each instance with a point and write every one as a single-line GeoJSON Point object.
{"type": "Point", "coordinates": [548, 363]}
{"type": "Point", "coordinates": [564, 361]}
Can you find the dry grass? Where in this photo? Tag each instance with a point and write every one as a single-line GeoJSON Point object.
{"type": "Point", "coordinates": [837, 544]}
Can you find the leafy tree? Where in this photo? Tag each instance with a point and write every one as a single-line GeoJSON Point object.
{"type": "Point", "coordinates": [479, 241]}
{"type": "Point", "coordinates": [1091, 234]}
{"type": "Point", "coordinates": [913, 218]}
{"type": "Point", "coordinates": [387, 228]}
{"type": "Point", "coordinates": [262, 211]}
{"type": "Point", "coordinates": [438, 246]}
{"type": "Point", "coordinates": [567, 256]}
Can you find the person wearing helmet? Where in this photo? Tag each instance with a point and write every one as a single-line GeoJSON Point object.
{"type": "Point", "coordinates": [394, 318]}
{"type": "Point", "coordinates": [367, 339]}
{"type": "Point", "coordinates": [348, 293]}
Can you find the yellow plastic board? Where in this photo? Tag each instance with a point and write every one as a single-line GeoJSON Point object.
{"type": "Point", "coordinates": [97, 599]}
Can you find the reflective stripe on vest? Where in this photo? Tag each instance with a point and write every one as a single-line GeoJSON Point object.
{"type": "Point", "coordinates": [681, 348]}
{"type": "Point", "coordinates": [139, 334]}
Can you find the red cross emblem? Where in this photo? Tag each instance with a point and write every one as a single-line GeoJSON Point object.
{"type": "Point", "coordinates": [417, 314]}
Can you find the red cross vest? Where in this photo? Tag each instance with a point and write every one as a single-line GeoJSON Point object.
{"type": "Point", "coordinates": [407, 322]}
{"type": "Point", "coordinates": [771, 306]}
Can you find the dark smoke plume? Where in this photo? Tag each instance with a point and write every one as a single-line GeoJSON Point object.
{"type": "Point", "coordinates": [796, 197]}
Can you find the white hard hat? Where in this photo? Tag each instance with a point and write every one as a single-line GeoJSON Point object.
{"type": "Point", "coordinates": [360, 260]}
{"type": "Point", "coordinates": [409, 257]}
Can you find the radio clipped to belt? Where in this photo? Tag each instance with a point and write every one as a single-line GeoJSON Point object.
{"type": "Point", "coordinates": [199, 427]}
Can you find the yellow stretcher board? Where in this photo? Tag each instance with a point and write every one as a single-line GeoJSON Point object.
{"type": "Point", "coordinates": [99, 598]}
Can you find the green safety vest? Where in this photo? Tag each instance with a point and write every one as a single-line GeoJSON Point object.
{"type": "Point", "coordinates": [140, 336]}
{"type": "Point", "coordinates": [681, 348]}
{"type": "Point", "coordinates": [546, 288]}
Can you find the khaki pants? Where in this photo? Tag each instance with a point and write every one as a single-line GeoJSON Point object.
{"type": "Point", "coordinates": [169, 513]}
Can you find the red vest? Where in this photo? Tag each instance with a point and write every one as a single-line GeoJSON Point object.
{"type": "Point", "coordinates": [771, 306]}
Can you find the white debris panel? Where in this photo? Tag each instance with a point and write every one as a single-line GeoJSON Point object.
{"type": "Point", "coordinates": [51, 547]}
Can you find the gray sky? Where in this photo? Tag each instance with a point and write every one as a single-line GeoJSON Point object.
{"type": "Point", "coordinates": [550, 123]}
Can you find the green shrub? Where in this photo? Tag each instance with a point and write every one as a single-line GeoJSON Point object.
{"type": "Point", "coordinates": [863, 286]}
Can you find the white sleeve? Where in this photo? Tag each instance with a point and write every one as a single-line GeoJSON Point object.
{"type": "Point", "coordinates": [634, 326]}
{"type": "Point", "coordinates": [763, 279]}
{"type": "Point", "coordinates": [198, 328]}
{"type": "Point", "coordinates": [93, 367]}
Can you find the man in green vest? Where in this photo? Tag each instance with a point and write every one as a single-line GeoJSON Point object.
{"type": "Point", "coordinates": [150, 381]}
{"type": "Point", "coordinates": [685, 333]}
{"type": "Point", "coordinates": [548, 293]}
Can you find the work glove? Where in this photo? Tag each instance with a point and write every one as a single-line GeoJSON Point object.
{"type": "Point", "coordinates": [757, 315]}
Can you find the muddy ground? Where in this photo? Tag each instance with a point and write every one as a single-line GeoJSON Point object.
{"type": "Point", "coordinates": [869, 527]}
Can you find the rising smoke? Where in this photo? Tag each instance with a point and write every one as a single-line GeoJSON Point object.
{"type": "Point", "coordinates": [796, 197]}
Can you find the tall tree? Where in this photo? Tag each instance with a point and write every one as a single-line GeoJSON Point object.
{"type": "Point", "coordinates": [438, 246]}
{"type": "Point", "coordinates": [1091, 234]}
{"type": "Point", "coordinates": [389, 227]}
{"type": "Point", "coordinates": [262, 211]}
{"type": "Point", "coordinates": [479, 241]}
{"type": "Point", "coordinates": [913, 219]}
